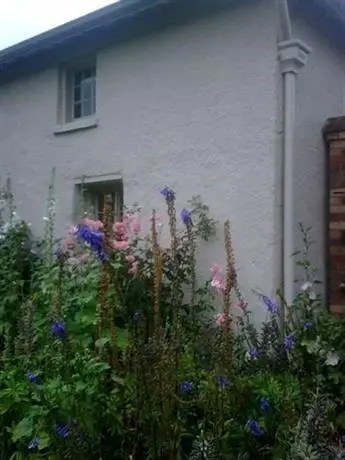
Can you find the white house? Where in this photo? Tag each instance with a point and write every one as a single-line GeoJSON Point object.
{"type": "Point", "coordinates": [221, 98]}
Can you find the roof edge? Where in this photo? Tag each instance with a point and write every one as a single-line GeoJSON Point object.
{"type": "Point", "coordinates": [108, 14]}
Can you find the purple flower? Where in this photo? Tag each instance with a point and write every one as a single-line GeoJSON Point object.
{"type": "Point", "coordinates": [271, 306]}
{"type": "Point", "coordinates": [168, 193]}
{"type": "Point", "coordinates": [255, 428]}
{"type": "Point", "coordinates": [137, 316]}
{"type": "Point", "coordinates": [186, 216]}
{"type": "Point", "coordinates": [59, 254]}
{"type": "Point", "coordinates": [308, 325]}
{"type": "Point", "coordinates": [62, 430]}
{"type": "Point", "coordinates": [33, 378]}
{"type": "Point", "coordinates": [222, 382]}
{"type": "Point", "coordinates": [264, 403]}
{"type": "Point", "coordinates": [93, 239]}
{"type": "Point", "coordinates": [34, 444]}
{"type": "Point", "coordinates": [289, 342]}
{"type": "Point", "coordinates": [58, 329]}
{"type": "Point", "coordinates": [253, 353]}
{"type": "Point", "coordinates": [186, 386]}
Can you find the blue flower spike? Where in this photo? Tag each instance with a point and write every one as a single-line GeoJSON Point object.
{"type": "Point", "coordinates": [289, 343]}
{"type": "Point", "coordinates": [94, 239]}
{"type": "Point", "coordinates": [264, 404]}
{"type": "Point", "coordinates": [62, 430]}
{"type": "Point", "coordinates": [186, 217]}
{"type": "Point", "coordinates": [255, 428]}
{"type": "Point", "coordinates": [168, 193]}
{"type": "Point", "coordinates": [33, 378]}
{"type": "Point", "coordinates": [34, 444]}
{"type": "Point", "coordinates": [58, 329]}
{"type": "Point", "coordinates": [271, 306]}
{"type": "Point", "coordinates": [186, 386]}
{"type": "Point", "coordinates": [223, 382]}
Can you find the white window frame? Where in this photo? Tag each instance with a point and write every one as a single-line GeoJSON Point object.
{"type": "Point", "coordinates": [66, 119]}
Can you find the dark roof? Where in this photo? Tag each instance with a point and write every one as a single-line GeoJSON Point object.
{"type": "Point", "coordinates": [128, 19]}
{"type": "Point", "coordinates": [327, 16]}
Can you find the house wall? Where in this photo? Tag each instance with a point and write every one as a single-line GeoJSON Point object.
{"type": "Point", "coordinates": [320, 94]}
{"type": "Point", "coordinates": [193, 108]}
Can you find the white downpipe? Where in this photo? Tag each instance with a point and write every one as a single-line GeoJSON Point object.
{"type": "Point", "coordinates": [285, 31]}
{"type": "Point", "coordinates": [292, 56]}
{"type": "Point", "coordinates": [288, 181]}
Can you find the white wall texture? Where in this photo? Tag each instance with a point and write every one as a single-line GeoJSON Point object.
{"type": "Point", "coordinates": [320, 94]}
{"type": "Point", "coordinates": [193, 108]}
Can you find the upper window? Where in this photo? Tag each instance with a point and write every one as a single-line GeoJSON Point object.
{"type": "Point", "coordinates": [84, 92]}
{"type": "Point", "coordinates": [77, 91]}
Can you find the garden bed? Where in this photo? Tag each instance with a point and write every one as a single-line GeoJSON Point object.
{"type": "Point", "coordinates": [105, 356]}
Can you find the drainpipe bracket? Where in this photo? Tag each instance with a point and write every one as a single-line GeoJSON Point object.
{"type": "Point", "coordinates": [293, 55]}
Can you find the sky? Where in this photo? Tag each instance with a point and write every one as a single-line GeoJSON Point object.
{"type": "Point", "coordinates": [22, 19]}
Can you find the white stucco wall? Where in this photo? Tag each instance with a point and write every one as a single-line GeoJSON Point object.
{"type": "Point", "coordinates": [320, 94]}
{"type": "Point", "coordinates": [193, 108]}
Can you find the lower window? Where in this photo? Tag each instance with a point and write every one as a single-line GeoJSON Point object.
{"type": "Point", "coordinates": [91, 195]}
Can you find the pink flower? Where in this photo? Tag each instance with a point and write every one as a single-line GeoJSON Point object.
{"type": "Point", "coordinates": [129, 217]}
{"type": "Point", "coordinates": [98, 225]}
{"type": "Point", "coordinates": [130, 259]}
{"type": "Point", "coordinates": [135, 226]}
{"type": "Point", "coordinates": [119, 228]}
{"type": "Point", "coordinates": [83, 257]}
{"type": "Point", "coordinates": [157, 219]}
{"type": "Point", "coordinates": [216, 269]}
{"type": "Point", "coordinates": [120, 245]}
{"type": "Point", "coordinates": [72, 230]}
{"type": "Point", "coordinates": [134, 269]}
{"type": "Point", "coordinates": [120, 231]}
{"type": "Point", "coordinates": [221, 319]}
{"type": "Point", "coordinates": [218, 281]}
{"type": "Point", "coordinates": [241, 304]}
{"type": "Point", "coordinates": [70, 244]}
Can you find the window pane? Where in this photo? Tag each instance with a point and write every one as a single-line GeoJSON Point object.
{"type": "Point", "coordinates": [77, 78]}
{"type": "Point", "coordinates": [87, 108]}
{"type": "Point", "coordinates": [77, 110]}
{"type": "Point", "coordinates": [93, 105]}
{"type": "Point", "coordinates": [86, 88]}
{"type": "Point", "coordinates": [77, 94]}
{"type": "Point", "coordinates": [83, 93]}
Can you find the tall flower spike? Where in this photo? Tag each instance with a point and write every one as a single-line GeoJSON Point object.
{"type": "Point", "coordinates": [49, 230]}
{"type": "Point", "coordinates": [230, 264]}
{"type": "Point", "coordinates": [108, 217]}
{"type": "Point", "coordinates": [109, 311]}
{"type": "Point", "coordinates": [57, 296]}
{"type": "Point", "coordinates": [157, 257]}
{"type": "Point", "coordinates": [170, 199]}
{"type": "Point", "coordinates": [186, 217]}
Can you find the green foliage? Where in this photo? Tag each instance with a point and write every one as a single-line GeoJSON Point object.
{"type": "Point", "coordinates": [205, 224]}
{"type": "Point", "coordinates": [121, 358]}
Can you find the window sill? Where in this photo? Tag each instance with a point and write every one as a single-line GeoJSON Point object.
{"type": "Point", "coordinates": [77, 125]}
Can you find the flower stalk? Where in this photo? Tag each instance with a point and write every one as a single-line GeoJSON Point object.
{"type": "Point", "coordinates": [157, 279]}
